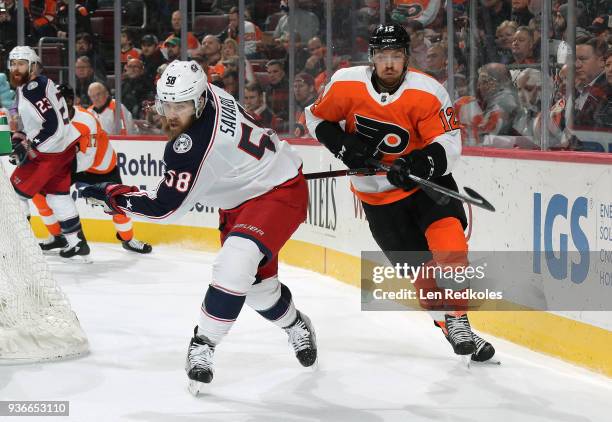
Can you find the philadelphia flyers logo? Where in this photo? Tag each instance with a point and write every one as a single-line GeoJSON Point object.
{"type": "Point", "coordinates": [390, 138]}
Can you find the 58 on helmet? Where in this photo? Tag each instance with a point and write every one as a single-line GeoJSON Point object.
{"type": "Point", "coordinates": [181, 89]}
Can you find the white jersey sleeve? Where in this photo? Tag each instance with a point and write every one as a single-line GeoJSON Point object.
{"type": "Point", "coordinates": [44, 116]}
{"type": "Point", "coordinates": [222, 160]}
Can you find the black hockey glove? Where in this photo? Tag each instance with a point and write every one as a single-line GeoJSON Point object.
{"type": "Point", "coordinates": [356, 151]}
{"type": "Point", "coordinates": [106, 194]}
{"type": "Point", "coordinates": [351, 148]}
{"type": "Point", "coordinates": [22, 149]}
{"type": "Point", "coordinates": [418, 163]}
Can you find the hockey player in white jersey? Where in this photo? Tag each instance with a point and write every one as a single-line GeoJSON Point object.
{"type": "Point", "coordinates": [96, 162]}
{"type": "Point", "coordinates": [45, 148]}
{"type": "Point", "coordinates": [217, 155]}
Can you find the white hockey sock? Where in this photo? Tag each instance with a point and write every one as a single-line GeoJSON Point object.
{"type": "Point", "coordinates": [272, 300]}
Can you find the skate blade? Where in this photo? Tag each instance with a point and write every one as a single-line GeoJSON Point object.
{"type": "Point", "coordinates": [492, 361]}
{"type": "Point", "coordinates": [78, 259]}
{"type": "Point", "coordinates": [51, 252]}
{"type": "Point", "coordinates": [195, 387]}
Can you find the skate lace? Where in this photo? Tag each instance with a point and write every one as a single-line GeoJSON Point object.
{"type": "Point", "coordinates": [479, 341]}
{"type": "Point", "coordinates": [200, 356]}
{"type": "Point", "coordinates": [299, 336]}
{"type": "Point", "coordinates": [459, 329]}
{"type": "Point", "coordinates": [136, 244]}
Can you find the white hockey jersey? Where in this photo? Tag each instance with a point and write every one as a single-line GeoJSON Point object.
{"type": "Point", "coordinates": [222, 160]}
{"type": "Point", "coordinates": [44, 116]}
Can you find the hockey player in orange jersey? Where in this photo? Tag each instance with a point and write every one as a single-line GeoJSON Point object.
{"type": "Point", "coordinates": [96, 162]}
{"type": "Point", "coordinates": [404, 118]}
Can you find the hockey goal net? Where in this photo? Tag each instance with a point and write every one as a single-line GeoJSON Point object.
{"type": "Point", "coordinates": [36, 321]}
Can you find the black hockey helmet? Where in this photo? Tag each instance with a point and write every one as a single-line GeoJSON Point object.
{"type": "Point", "coordinates": [66, 91]}
{"type": "Point", "coordinates": [389, 36]}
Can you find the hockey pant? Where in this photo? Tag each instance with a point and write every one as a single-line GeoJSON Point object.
{"type": "Point", "coordinates": [427, 234]}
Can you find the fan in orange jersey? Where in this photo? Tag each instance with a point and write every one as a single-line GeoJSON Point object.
{"type": "Point", "coordinates": [96, 162]}
{"type": "Point", "coordinates": [404, 118]}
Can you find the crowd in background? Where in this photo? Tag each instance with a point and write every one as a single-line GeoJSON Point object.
{"type": "Point", "coordinates": [497, 87]}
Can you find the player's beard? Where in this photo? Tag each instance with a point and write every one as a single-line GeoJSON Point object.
{"type": "Point", "coordinates": [174, 128]}
{"type": "Point", "coordinates": [17, 78]}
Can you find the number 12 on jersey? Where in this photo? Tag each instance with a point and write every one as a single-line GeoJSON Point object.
{"type": "Point", "coordinates": [448, 118]}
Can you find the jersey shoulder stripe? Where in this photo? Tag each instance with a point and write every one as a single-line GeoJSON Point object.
{"type": "Point", "coordinates": [417, 80]}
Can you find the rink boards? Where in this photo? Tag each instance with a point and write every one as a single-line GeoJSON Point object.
{"type": "Point", "coordinates": [540, 197]}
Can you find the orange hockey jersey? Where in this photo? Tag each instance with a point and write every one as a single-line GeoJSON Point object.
{"type": "Point", "coordinates": [417, 114]}
{"type": "Point", "coordinates": [96, 155]}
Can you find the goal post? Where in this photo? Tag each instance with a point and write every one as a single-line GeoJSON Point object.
{"type": "Point", "coordinates": [36, 320]}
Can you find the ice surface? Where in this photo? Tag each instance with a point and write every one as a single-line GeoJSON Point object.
{"type": "Point", "coordinates": [139, 312]}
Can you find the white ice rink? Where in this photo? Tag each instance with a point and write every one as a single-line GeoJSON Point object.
{"type": "Point", "coordinates": [139, 313]}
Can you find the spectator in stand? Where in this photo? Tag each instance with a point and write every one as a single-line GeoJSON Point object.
{"type": "Point", "coordinates": [305, 94]}
{"type": "Point", "coordinates": [223, 7]}
{"type": "Point", "coordinates": [498, 99]}
{"type": "Point", "coordinates": [522, 48]}
{"type": "Point", "coordinates": [42, 15]}
{"type": "Point", "coordinates": [608, 65]}
{"type": "Point", "coordinates": [256, 106]}
{"type": "Point", "coordinates": [601, 27]}
{"type": "Point", "coordinates": [593, 89]}
{"type": "Point", "coordinates": [230, 83]}
{"type": "Point", "coordinates": [367, 18]}
{"type": "Point", "coordinates": [306, 23]}
{"type": "Point", "coordinates": [435, 62]}
{"type": "Point", "coordinates": [418, 44]}
{"type": "Point", "coordinates": [128, 51]}
{"type": "Point", "coordinates": [280, 51]}
{"type": "Point", "coordinates": [315, 64]}
{"type": "Point", "coordinates": [192, 41]}
{"type": "Point", "coordinates": [173, 49]}
{"type": "Point", "coordinates": [529, 84]}
{"type": "Point", "coordinates": [229, 48]}
{"type": "Point", "coordinates": [84, 47]}
{"type": "Point", "coordinates": [277, 93]}
{"type": "Point", "coordinates": [253, 35]}
{"type": "Point", "coordinates": [422, 11]}
{"type": "Point", "coordinates": [152, 123]}
{"type": "Point", "coordinates": [490, 16]}
{"type": "Point", "coordinates": [560, 28]}
{"type": "Point", "coordinates": [211, 50]}
{"type": "Point", "coordinates": [8, 25]}
{"type": "Point", "coordinates": [503, 39]}
{"type": "Point", "coordinates": [85, 76]}
{"type": "Point", "coordinates": [135, 87]}
{"type": "Point", "coordinates": [231, 65]}
{"type": "Point", "coordinates": [83, 22]}
{"type": "Point", "coordinates": [520, 12]}
{"type": "Point", "coordinates": [151, 56]}
{"type": "Point", "coordinates": [103, 107]}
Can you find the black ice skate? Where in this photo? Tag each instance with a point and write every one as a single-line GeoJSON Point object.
{"type": "Point", "coordinates": [53, 242]}
{"type": "Point", "coordinates": [303, 340]}
{"type": "Point", "coordinates": [199, 364]}
{"type": "Point", "coordinates": [136, 245]}
{"type": "Point", "coordinates": [458, 332]}
{"type": "Point", "coordinates": [484, 349]}
{"type": "Point", "coordinates": [81, 249]}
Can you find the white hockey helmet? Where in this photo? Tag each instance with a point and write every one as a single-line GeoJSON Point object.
{"type": "Point", "coordinates": [23, 52]}
{"type": "Point", "coordinates": [182, 81]}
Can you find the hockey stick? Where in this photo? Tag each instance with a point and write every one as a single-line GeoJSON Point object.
{"type": "Point", "coordinates": [472, 196]}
